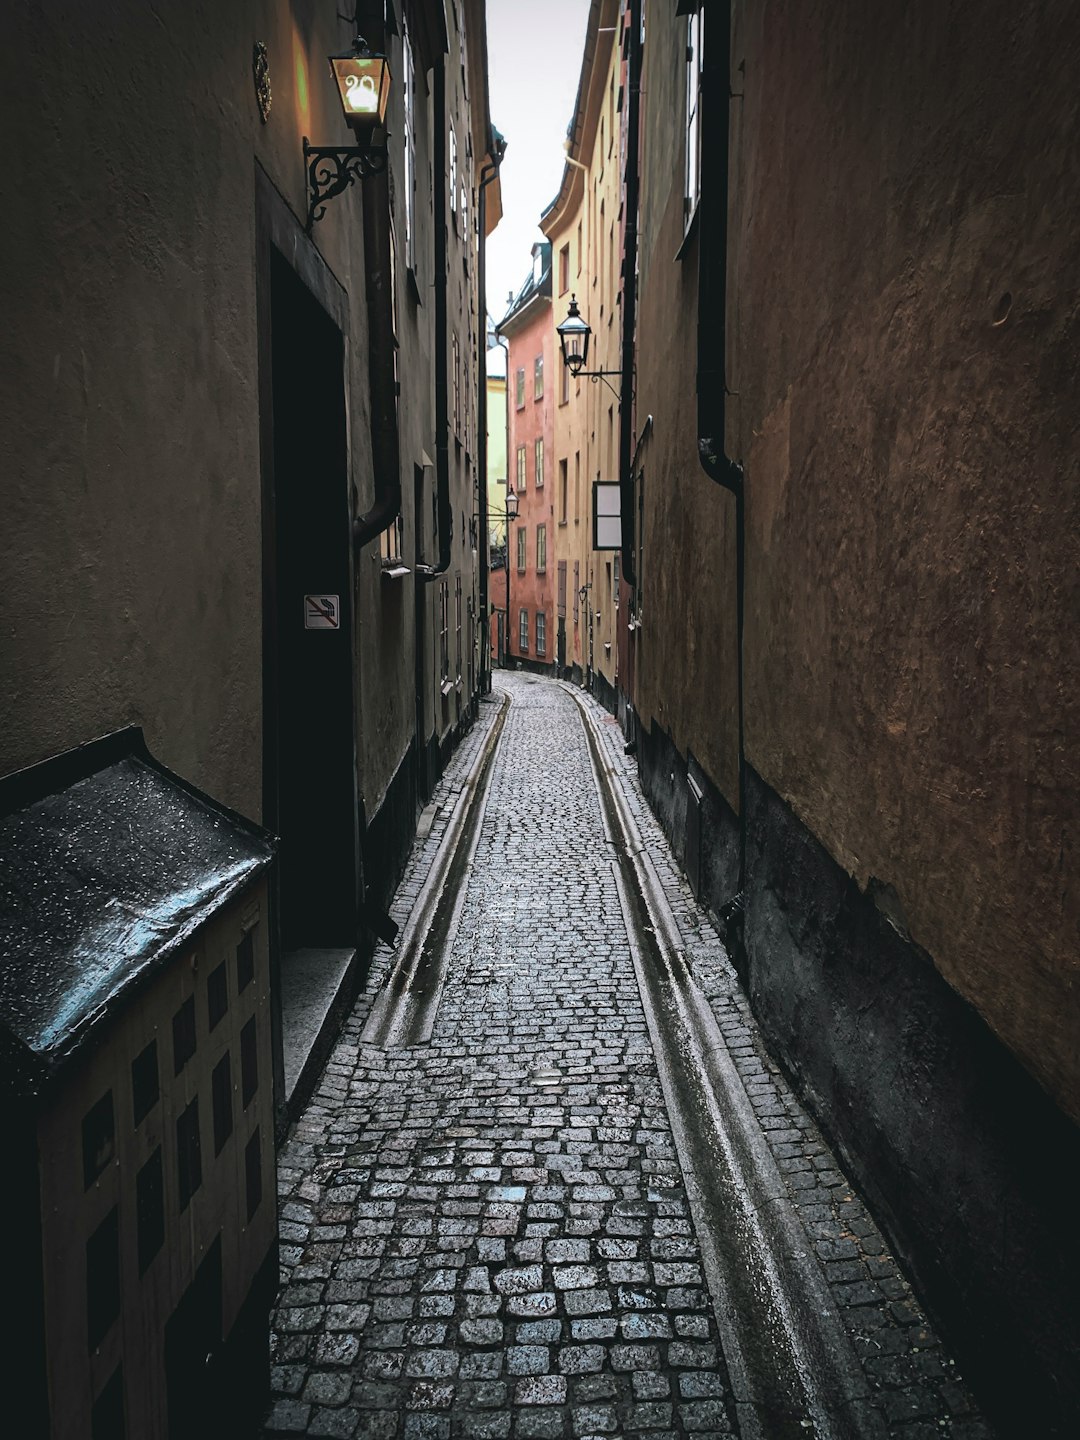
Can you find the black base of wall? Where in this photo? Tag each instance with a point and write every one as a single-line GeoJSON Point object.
{"type": "Point", "coordinates": [969, 1167]}
{"type": "Point", "coordinates": [604, 691]}
{"type": "Point", "coordinates": [388, 835]}
{"type": "Point", "coordinates": [664, 778]}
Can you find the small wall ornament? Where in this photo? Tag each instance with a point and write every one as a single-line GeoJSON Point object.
{"type": "Point", "coordinates": [260, 68]}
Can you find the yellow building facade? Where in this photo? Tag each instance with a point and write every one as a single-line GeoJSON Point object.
{"type": "Point", "coordinates": [583, 224]}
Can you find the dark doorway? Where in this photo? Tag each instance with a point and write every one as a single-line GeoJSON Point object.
{"type": "Point", "coordinates": [560, 652]}
{"type": "Point", "coordinates": [311, 780]}
{"type": "Point", "coordinates": [423, 778]}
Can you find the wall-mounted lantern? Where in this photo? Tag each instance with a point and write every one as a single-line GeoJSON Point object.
{"type": "Point", "coordinates": [511, 504]}
{"type": "Point", "coordinates": [363, 84]}
{"type": "Point", "coordinates": [574, 334]}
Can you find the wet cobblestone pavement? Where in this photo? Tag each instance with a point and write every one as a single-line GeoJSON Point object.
{"type": "Point", "coordinates": [488, 1235]}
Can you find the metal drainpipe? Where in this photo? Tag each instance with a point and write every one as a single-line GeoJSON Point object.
{"type": "Point", "coordinates": [629, 318]}
{"type": "Point", "coordinates": [498, 149]}
{"type": "Point", "coordinates": [444, 511]}
{"type": "Point", "coordinates": [712, 378]}
{"type": "Point", "coordinates": [385, 442]}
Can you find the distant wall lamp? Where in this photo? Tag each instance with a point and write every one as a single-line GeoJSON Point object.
{"type": "Point", "coordinates": [363, 83]}
{"type": "Point", "coordinates": [574, 335]}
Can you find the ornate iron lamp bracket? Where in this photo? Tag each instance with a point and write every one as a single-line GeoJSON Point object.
{"type": "Point", "coordinates": [332, 171]}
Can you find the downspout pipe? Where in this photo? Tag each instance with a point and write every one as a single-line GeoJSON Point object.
{"type": "Point", "coordinates": [711, 368]}
{"type": "Point", "coordinates": [629, 317]}
{"type": "Point", "coordinates": [488, 174]}
{"type": "Point", "coordinates": [444, 510]}
{"type": "Point", "coordinates": [385, 442]}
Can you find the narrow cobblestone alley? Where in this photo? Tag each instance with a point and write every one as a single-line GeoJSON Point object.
{"type": "Point", "coordinates": [489, 1234]}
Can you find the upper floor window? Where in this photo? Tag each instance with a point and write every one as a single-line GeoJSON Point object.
{"type": "Point", "coordinates": [409, 84]}
{"type": "Point", "coordinates": [538, 459]}
{"type": "Point", "coordinates": [519, 388]}
{"type": "Point", "coordinates": [695, 27]}
{"type": "Point", "coordinates": [453, 171]}
{"type": "Point", "coordinates": [521, 469]}
{"type": "Point", "coordinates": [564, 267]}
{"type": "Point", "coordinates": [538, 378]}
{"type": "Point", "coordinates": [522, 541]}
{"type": "Point", "coordinates": [541, 549]}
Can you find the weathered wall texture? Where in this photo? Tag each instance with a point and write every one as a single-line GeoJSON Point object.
{"type": "Point", "coordinates": [686, 647]}
{"type": "Point", "coordinates": [906, 248]}
{"type": "Point", "coordinates": [129, 405]}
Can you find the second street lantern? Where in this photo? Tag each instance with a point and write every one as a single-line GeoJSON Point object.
{"type": "Point", "coordinates": [363, 82]}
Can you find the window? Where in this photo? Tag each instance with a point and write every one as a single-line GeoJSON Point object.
{"type": "Point", "coordinates": [409, 82]}
{"type": "Point", "coordinates": [562, 492]}
{"type": "Point", "coordinates": [519, 387]}
{"type": "Point", "coordinates": [150, 1210]}
{"type": "Point", "coordinates": [456, 371]}
{"type": "Point", "coordinates": [444, 630]}
{"type": "Point", "coordinates": [541, 549]}
{"type": "Point", "coordinates": [188, 1153]}
{"type": "Point", "coordinates": [98, 1138]}
{"type": "Point", "coordinates": [459, 627]}
{"type": "Point", "coordinates": [217, 995]}
{"type": "Point", "coordinates": [183, 1034]}
{"type": "Point", "coordinates": [577, 487]}
{"type": "Point", "coordinates": [221, 1094]}
{"type": "Point", "coordinates": [521, 469]}
{"type": "Point", "coordinates": [564, 383]}
{"type": "Point", "coordinates": [538, 378]}
{"type": "Point", "coordinates": [577, 589]}
{"type": "Point", "coordinates": [541, 633]}
{"type": "Point", "coordinates": [579, 247]}
{"type": "Point", "coordinates": [390, 542]}
{"type": "Point", "coordinates": [521, 542]}
{"type": "Point", "coordinates": [453, 172]}
{"type": "Point", "coordinates": [564, 268]}
{"type": "Point", "coordinates": [562, 590]}
{"type": "Point", "coordinates": [245, 961]}
{"type": "Point", "coordinates": [144, 1081]}
{"type": "Point", "coordinates": [538, 462]}
{"type": "Point", "coordinates": [523, 631]}
{"type": "Point", "coordinates": [695, 26]}
{"type": "Point", "coordinates": [615, 591]}
{"type": "Point", "coordinates": [249, 1062]}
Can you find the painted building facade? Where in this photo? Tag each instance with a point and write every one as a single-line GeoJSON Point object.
{"type": "Point", "coordinates": [857, 476]}
{"type": "Point", "coordinates": [583, 227]}
{"type": "Point", "coordinates": [242, 456]}
{"type": "Point", "coordinates": [530, 571]}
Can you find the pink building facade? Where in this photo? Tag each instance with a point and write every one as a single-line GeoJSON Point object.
{"type": "Point", "coordinates": [525, 591]}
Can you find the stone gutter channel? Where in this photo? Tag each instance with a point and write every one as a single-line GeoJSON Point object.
{"type": "Point", "coordinates": [792, 1366]}
{"type": "Point", "coordinates": [406, 1006]}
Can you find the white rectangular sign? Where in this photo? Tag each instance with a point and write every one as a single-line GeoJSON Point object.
{"type": "Point", "coordinates": [322, 612]}
{"type": "Point", "coordinates": [607, 516]}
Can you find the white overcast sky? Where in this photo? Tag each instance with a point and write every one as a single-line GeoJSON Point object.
{"type": "Point", "coordinates": [534, 61]}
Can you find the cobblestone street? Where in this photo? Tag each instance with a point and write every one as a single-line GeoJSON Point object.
{"type": "Point", "coordinates": [489, 1234]}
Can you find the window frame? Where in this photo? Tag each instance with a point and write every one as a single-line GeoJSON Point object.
{"type": "Point", "coordinates": [538, 462]}
{"type": "Point", "coordinates": [541, 632]}
{"type": "Point", "coordinates": [519, 388]}
{"type": "Point", "coordinates": [523, 631]}
{"type": "Point", "coordinates": [522, 548]}
{"type": "Point", "coordinates": [541, 549]}
{"type": "Point", "coordinates": [538, 378]}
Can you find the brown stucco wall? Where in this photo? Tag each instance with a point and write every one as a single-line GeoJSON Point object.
{"type": "Point", "coordinates": [687, 670]}
{"type": "Point", "coordinates": [905, 250]}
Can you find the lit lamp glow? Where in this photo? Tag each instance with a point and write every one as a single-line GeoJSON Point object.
{"type": "Point", "coordinates": [363, 82]}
